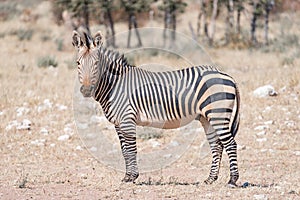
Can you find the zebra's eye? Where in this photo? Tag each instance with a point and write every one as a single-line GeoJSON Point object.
{"type": "Point", "coordinates": [78, 63]}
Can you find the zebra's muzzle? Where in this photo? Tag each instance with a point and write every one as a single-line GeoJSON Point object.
{"type": "Point", "coordinates": [87, 91]}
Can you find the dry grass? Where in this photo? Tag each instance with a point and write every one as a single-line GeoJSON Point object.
{"type": "Point", "coordinates": [37, 165]}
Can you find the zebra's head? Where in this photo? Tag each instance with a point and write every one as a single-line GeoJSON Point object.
{"type": "Point", "coordinates": [87, 61]}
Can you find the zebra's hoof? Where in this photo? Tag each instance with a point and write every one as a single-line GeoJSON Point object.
{"type": "Point", "coordinates": [232, 184]}
{"type": "Point", "coordinates": [129, 178]}
{"type": "Point", "coordinates": [210, 180]}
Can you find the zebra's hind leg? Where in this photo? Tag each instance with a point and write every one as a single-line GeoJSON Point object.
{"type": "Point", "coordinates": [231, 150]}
{"type": "Point", "coordinates": [128, 145]}
{"type": "Point", "coordinates": [227, 140]}
{"type": "Point", "coordinates": [216, 149]}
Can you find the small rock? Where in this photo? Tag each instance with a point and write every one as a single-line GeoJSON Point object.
{"type": "Point", "coordinates": [267, 109]}
{"type": "Point", "coordinates": [47, 103]}
{"type": "Point", "coordinates": [278, 131]}
{"type": "Point", "coordinates": [154, 143]}
{"type": "Point", "coordinates": [261, 139]}
{"type": "Point", "coordinates": [94, 149]}
{"type": "Point", "coordinates": [38, 142]}
{"type": "Point", "coordinates": [174, 143]}
{"type": "Point", "coordinates": [269, 122]}
{"type": "Point", "coordinates": [260, 197]}
{"type": "Point", "coordinates": [167, 156]}
{"type": "Point", "coordinates": [297, 153]}
{"type": "Point", "coordinates": [11, 124]}
{"type": "Point", "coordinates": [261, 133]}
{"type": "Point", "coordinates": [264, 91]}
{"type": "Point", "coordinates": [241, 147]}
{"type": "Point", "coordinates": [63, 137]}
{"type": "Point", "coordinates": [289, 123]}
{"type": "Point", "coordinates": [25, 125]}
{"type": "Point", "coordinates": [261, 127]}
{"type": "Point", "coordinates": [68, 130]}
{"type": "Point", "coordinates": [79, 148]}
{"type": "Point", "coordinates": [22, 110]}
{"type": "Point", "coordinates": [61, 107]}
{"type": "Point", "coordinates": [44, 131]}
{"type": "Point", "coordinates": [52, 145]}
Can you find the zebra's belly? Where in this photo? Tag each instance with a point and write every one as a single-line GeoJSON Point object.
{"type": "Point", "coordinates": [142, 120]}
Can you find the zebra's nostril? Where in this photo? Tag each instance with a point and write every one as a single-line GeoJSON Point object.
{"type": "Point", "coordinates": [86, 90]}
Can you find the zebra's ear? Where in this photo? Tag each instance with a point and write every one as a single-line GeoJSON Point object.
{"type": "Point", "coordinates": [77, 40]}
{"type": "Point", "coordinates": [98, 39]}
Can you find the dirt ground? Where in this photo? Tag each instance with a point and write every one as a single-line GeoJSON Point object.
{"type": "Point", "coordinates": [47, 158]}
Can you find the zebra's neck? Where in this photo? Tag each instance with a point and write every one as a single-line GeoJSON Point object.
{"type": "Point", "coordinates": [112, 66]}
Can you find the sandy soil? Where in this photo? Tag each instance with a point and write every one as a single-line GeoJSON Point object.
{"type": "Point", "coordinates": [41, 162]}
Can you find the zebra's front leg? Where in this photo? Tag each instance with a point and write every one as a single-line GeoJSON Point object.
{"type": "Point", "coordinates": [127, 137]}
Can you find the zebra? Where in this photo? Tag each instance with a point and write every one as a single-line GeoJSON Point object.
{"type": "Point", "coordinates": [131, 97]}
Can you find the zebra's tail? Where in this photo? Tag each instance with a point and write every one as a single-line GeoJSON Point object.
{"type": "Point", "coordinates": [236, 120]}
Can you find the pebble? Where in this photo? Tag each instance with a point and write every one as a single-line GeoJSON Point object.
{"type": "Point", "coordinates": [154, 143]}
{"type": "Point", "coordinates": [264, 91]}
{"type": "Point", "coordinates": [261, 133]}
{"type": "Point", "coordinates": [22, 110]}
{"type": "Point", "coordinates": [269, 122]}
{"type": "Point", "coordinates": [63, 137]}
{"type": "Point", "coordinates": [79, 148]}
{"type": "Point", "coordinates": [11, 124]}
{"type": "Point", "coordinates": [24, 125]}
{"type": "Point", "coordinates": [94, 149]}
{"type": "Point", "coordinates": [44, 131]}
{"type": "Point", "coordinates": [61, 107]}
{"type": "Point", "coordinates": [261, 139]}
{"type": "Point", "coordinates": [52, 145]}
{"type": "Point", "coordinates": [68, 130]}
{"type": "Point", "coordinates": [260, 197]}
{"type": "Point", "coordinates": [297, 153]}
{"type": "Point", "coordinates": [241, 147]}
{"type": "Point", "coordinates": [47, 104]}
{"type": "Point", "coordinates": [261, 127]}
{"type": "Point", "coordinates": [38, 142]}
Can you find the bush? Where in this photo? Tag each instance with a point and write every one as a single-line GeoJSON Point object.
{"type": "Point", "coordinates": [24, 34]}
{"type": "Point", "coordinates": [47, 61]}
{"type": "Point", "coordinates": [59, 44]}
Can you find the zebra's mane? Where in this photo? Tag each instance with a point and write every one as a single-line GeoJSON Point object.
{"type": "Point", "coordinates": [114, 56]}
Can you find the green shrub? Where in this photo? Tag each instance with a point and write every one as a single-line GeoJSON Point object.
{"type": "Point", "coordinates": [24, 34]}
{"type": "Point", "coordinates": [47, 61]}
{"type": "Point", "coordinates": [59, 44]}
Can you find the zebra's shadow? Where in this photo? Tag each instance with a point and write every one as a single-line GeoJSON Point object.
{"type": "Point", "coordinates": [174, 181]}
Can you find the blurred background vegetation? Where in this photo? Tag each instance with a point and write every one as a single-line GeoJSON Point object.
{"type": "Point", "coordinates": [235, 24]}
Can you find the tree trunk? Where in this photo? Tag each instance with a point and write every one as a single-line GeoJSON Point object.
{"type": "Point", "coordinates": [253, 22]}
{"type": "Point", "coordinates": [129, 31]}
{"type": "Point", "coordinates": [111, 24]}
{"type": "Point", "coordinates": [213, 22]}
{"type": "Point", "coordinates": [165, 27]}
{"type": "Point", "coordinates": [86, 16]}
{"type": "Point", "coordinates": [137, 31]}
{"type": "Point", "coordinates": [238, 20]}
{"type": "Point", "coordinates": [202, 19]}
{"type": "Point", "coordinates": [268, 7]}
{"type": "Point", "coordinates": [230, 13]}
{"type": "Point", "coordinates": [173, 19]}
